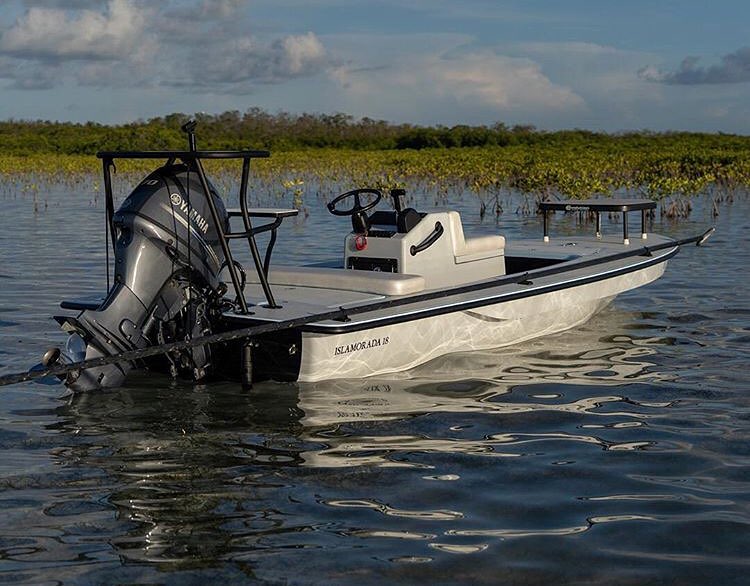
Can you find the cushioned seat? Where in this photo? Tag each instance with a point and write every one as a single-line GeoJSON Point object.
{"type": "Point", "coordinates": [466, 249]}
{"type": "Point", "coordinates": [347, 279]}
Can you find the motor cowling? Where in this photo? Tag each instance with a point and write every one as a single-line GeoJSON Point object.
{"type": "Point", "coordinates": [167, 269]}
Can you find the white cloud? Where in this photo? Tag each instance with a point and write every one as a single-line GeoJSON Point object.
{"type": "Point", "coordinates": [301, 53]}
{"type": "Point", "coordinates": [237, 66]}
{"type": "Point", "coordinates": [196, 46]}
{"type": "Point", "coordinates": [606, 76]}
{"type": "Point", "coordinates": [499, 81]}
{"type": "Point", "coordinates": [51, 34]}
{"type": "Point", "coordinates": [497, 84]}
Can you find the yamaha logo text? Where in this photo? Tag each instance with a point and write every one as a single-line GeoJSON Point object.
{"type": "Point", "coordinates": [191, 213]}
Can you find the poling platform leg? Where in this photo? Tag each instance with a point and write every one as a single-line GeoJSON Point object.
{"type": "Point", "coordinates": [247, 365]}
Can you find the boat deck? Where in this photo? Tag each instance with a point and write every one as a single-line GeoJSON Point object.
{"type": "Point", "coordinates": [562, 263]}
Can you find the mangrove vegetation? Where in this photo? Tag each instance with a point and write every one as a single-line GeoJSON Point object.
{"type": "Point", "coordinates": [324, 153]}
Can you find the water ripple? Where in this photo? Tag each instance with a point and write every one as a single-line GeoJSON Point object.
{"type": "Point", "coordinates": [430, 515]}
{"type": "Point", "coordinates": [613, 453]}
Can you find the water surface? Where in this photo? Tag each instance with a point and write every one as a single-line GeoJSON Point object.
{"type": "Point", "coordinates": [614, 453]}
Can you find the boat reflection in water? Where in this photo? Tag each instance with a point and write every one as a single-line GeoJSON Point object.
{"type": "Point", "coordinates": [201, 474]}
{"type": "Point", "coordinates": [479, 383]}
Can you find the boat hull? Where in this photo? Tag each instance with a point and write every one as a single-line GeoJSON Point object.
{"type": "Point", "coordinates": [401, 346]}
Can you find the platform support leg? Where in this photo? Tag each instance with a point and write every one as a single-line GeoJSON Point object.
{"type": "Point", "coordinates": [247, 365]}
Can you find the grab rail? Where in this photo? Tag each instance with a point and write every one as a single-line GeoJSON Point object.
{"type": "Point", "coordinates": [429, 241]}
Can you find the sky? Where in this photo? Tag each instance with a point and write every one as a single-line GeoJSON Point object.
{"type": "Point", "coordinates": [608, 65]}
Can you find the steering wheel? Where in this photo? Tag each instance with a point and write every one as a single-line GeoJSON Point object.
{"type": "Point", "coordinates": [357, 207]}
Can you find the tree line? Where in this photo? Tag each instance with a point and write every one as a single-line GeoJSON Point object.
{"type": "Point", "coordinates": [284, 131]}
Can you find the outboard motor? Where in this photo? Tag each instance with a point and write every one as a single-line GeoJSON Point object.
{"type": "Point", "coordinates": [166, 279]}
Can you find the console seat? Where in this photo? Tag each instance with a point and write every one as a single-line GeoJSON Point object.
{"type": "Point", "coordinates": [476, 248]}
{"type": "Point", "coordinates": [377, 282]}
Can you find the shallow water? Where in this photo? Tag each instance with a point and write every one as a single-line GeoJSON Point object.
{"type": "Point", "coordinates": [614, 453]}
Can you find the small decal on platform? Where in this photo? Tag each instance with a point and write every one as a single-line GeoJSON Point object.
{"type": "Point", "coordinates": [363, 345]}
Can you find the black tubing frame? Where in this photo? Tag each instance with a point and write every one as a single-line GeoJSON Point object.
{"type": "Point", "coordinates": [193, 159]}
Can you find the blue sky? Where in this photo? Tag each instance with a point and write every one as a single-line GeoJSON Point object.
{"type": "Point", "coordinates": [596, 64]}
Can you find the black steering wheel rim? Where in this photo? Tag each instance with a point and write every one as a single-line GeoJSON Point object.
{"type": "Point", "coordinates": [357, 207]}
